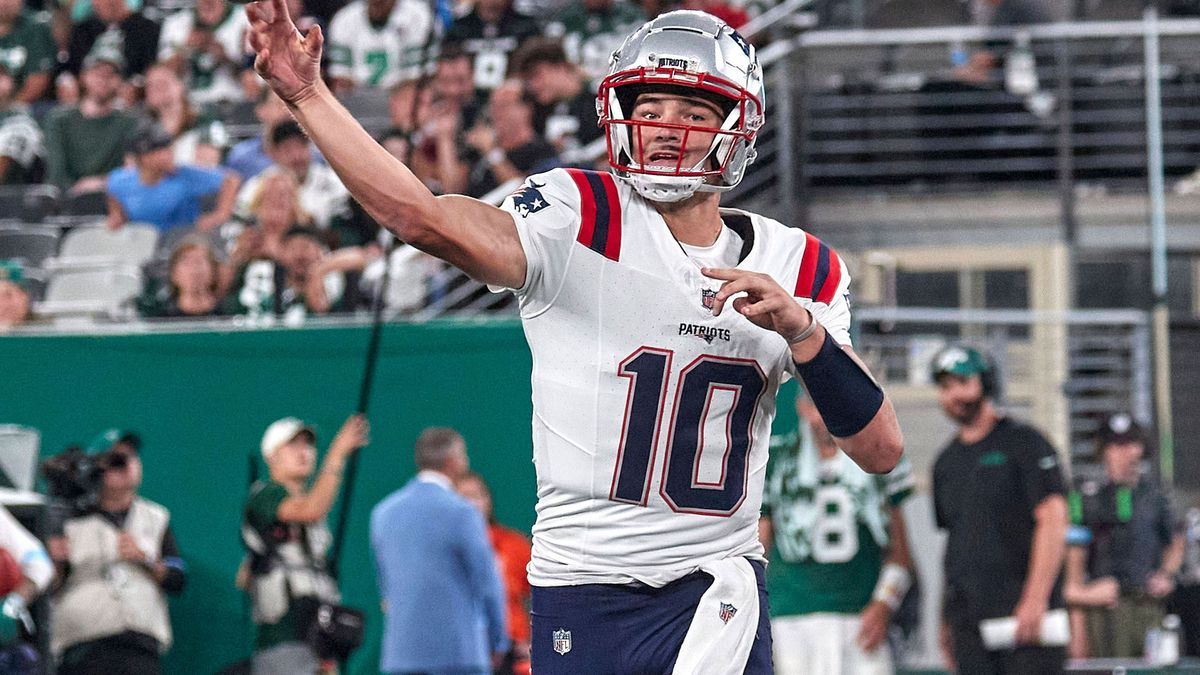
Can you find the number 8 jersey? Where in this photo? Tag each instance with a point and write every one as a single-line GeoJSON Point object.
{"type": "Point", "coordinates": [651, 417]}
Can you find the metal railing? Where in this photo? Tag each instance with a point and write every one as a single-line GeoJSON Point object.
{"type": "Point", "coordinates": [1106, 356]}
{"type": "Point", "coordinates": [891, 110]}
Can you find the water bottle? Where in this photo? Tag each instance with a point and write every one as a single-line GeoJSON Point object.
{"type": "Point", "coordinates": [1168, 642]}
{"type": "Point", "coordinates": [1020, 68]}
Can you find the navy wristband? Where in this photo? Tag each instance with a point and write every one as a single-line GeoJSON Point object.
{"type": "Point", "coordinates": [845, 395]}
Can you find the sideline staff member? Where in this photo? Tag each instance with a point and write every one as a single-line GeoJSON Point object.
{"type": "Point", "coordinates": [1125, 548]}
{"type": "Point", "coordinates": [999, 493]}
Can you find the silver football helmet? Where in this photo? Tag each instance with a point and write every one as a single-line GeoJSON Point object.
{"type": "Point", "coordinates": [700, 56]}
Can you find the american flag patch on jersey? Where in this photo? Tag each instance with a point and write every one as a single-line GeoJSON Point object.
{"type": "Point", "coordinates": [727, 612]}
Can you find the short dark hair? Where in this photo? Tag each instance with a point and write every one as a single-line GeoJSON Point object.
{"type": "Point", "coordinates": [537, 51]}
{"type": "Point", "coordinates": [452, 52]}
{"type": "Point", "coordinates": [394, 132]}
{"type": "Point", "coordinates": [305, 231]}
{"type": "Point", "coordinates": [285, 130]}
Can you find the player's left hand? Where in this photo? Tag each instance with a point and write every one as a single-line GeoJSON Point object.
{"type": "Point", "coordinates": [765, 304]}
{"type": "Point", "coordinates": [1029, 615]}
{"type": "Point", "coordinates": [288, 61]}
{"type": "Point", "coordinates": [873, 623]}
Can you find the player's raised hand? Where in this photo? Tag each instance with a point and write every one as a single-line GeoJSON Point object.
{"type": "Point", "coordinates": [288, 61]}
{"type": "Point", "coordinates": [765, 302]}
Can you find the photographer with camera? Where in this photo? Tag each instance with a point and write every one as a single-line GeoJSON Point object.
{"type": "Point", "coordinates": [285, 534]}
{"type": "Point", "coordinates": [117, 560]}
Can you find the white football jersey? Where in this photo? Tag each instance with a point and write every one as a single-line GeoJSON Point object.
{"type": "Point", "coordinates": [651, 417]}
{"type": "Point", "coordinates": [379, 56]}
{"type": "Point", "coordinates": [208, 82]}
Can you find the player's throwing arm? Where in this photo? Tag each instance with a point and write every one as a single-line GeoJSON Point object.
{"type": "Point", "coordinates": [478, 238]}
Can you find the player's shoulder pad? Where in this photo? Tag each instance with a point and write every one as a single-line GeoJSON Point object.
{"type": "Point", "coordinates": [592, 198]}
{"type": "Point", "coordinates": [821, 274]}
{"type": "Point", "coordinates": [547, 191]}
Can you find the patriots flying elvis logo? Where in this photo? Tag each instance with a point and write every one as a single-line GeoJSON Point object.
{"type": "Point", "coordinates": [741, 41]}
{"type": "Point", "coordinates": [528, 199]}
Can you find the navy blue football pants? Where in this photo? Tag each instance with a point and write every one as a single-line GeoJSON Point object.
{"type": "Point", "coordinates": [611, 629]}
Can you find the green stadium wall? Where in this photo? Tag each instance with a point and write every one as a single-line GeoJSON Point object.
{"type": "Point", "coordinates": [201, 400]}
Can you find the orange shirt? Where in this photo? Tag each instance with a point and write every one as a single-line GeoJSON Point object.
{"type": "Point", "coordinates": [512, 556]}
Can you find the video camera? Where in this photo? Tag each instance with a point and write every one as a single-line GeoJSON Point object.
{"type": "Point", "coordinates": [74, 476]}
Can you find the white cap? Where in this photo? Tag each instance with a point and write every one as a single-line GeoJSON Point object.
{"type": "Point", "coordinates": [281, 432]}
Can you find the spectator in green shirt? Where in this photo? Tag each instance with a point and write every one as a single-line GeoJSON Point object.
{"type": "Point", "coordinates": [27, 49]}
{"type": "Point", "coordinates": [85, 142]}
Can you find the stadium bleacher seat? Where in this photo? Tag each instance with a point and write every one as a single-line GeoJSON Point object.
{"type": "Point", "coordinates": [98, 292]}
{"type": "Point", "coordinates": [30, 203]}
{"type": "Point", "coordinates": [19, 448]}
{"type": "Point", "coordinates": [35, 284]}
{"type": "Point", "coordinates": [238, 118]}
{"type": "Point", "coordinates": [31, 244]}
{"type": "Point", "coordinates": [369, 107]}
{"type": "Point", "coordinates": [85, 204]}
{"type": "Point", "coordinates": [918, 14]}
{"type": "Point", "coordinates": [1112, 10]}
{"type": "Point", "coordinates": [133, 244]}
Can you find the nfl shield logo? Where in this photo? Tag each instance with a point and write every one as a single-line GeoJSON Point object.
{"type": "Point", "coordinates": [727, 612]}
{"type": "Point", "coordinates": [562, 641]}
{"type": "Point", "coordinates": [707, 298]}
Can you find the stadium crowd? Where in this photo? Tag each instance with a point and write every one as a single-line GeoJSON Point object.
{"type": "Point", "coordinates": [151, 114]}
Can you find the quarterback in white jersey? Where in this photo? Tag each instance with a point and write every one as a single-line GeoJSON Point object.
{"type": "Point", "coordinates": [661, 327]}
{"type": "Point", "coordinates": [652, 415]}
{"type": "Point", "coordinates": [379, 43]}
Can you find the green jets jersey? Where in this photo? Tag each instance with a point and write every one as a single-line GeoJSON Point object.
{"type": "Point", "coordinates": [28, 49]}
{"type": "Point", "coordinates": [20, 142]}
{"type": "Point", "coordinates": [830, 525]}
{"type": "Point", "coordinates": [590, 37]}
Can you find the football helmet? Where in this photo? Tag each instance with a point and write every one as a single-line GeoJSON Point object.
{"type": "Point", "coordinates": [697, 55]}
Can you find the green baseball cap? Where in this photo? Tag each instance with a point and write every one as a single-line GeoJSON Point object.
{"type": "Point", "coordinates": [105, 440]}
{"type": "Point", "coordinates": [961, 361]}
{"type": "Point", "coordinates": [12, 270]}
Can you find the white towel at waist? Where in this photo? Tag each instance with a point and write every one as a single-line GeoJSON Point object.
{"type": "Point", "coordinates": [722, 633]}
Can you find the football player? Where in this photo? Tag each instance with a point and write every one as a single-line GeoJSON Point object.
{"type": "Point", "coordinates": [661, 327]}
{"type": "Point", "coordinates": [840, 564]}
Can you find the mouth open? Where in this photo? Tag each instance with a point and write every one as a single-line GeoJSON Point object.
{"type": "Point", "coordinates": [663, 157]}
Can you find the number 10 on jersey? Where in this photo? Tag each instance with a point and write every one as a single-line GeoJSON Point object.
{"type": "Point", "coordinates": [649, 373]}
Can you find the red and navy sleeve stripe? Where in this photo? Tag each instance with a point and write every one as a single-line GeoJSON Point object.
{"type": "Point", "coordinates": [820, 271]}
{"type": "Point", "coordinates": [600, 210]}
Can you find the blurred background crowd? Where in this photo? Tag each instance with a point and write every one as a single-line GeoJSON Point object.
{"type": "Point", "coordinates": [149, 118]}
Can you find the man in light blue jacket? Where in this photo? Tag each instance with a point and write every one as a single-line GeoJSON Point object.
{"type": "Point", "coordinates": [442, 594]}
